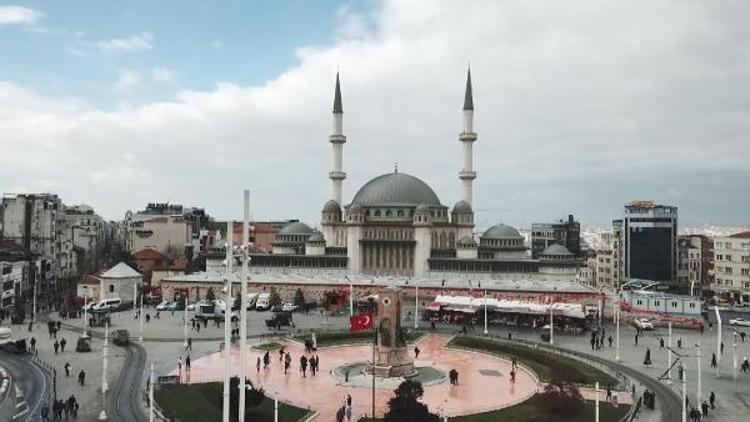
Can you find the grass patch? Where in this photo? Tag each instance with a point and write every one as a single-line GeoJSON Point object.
{"type": "Point", "coordinates": [533, 410]}
{"type": "Point", "coordinates": [203, 402]}
{"type": "Point", "coordinates": [540, 361]}
{"type": "Point", "coordinates": [339, 338]}
{"type": "Point", "coordinates": [271, 345]}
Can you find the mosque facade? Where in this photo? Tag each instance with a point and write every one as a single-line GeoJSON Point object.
{"type": "Point", "coordinates": [395, 225]}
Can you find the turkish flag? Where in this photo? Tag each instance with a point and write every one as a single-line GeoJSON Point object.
{"type": "Point", "coordinates": [360, 322]}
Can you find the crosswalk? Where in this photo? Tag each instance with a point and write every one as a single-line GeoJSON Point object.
{"type": "Point", "coordinates": [22, 407]}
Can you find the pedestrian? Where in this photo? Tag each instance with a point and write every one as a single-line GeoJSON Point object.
{"type": "Point", "coordinates": [745, 365]}
{"type": "Point", "coordinates": [679, 342]}
{"type": "Point", "coordinates": [281, 354]}
{"type": "Point", "coordinates": [33, 344]}
{"type": "Point", "coordinates": [661, 343]}
{"type": "Point", "coordinates": [512, 376]}
{"type": "Point", "coordinates": [45, 412]}
{"type": "Point", "coordinates": [712, 400]}
{"type": "Point", "coordinates": [148, 317]}
{"type": "Point", "coordinates": [513, 362]}
{"type": "Point", "coordinates": [67, 367]}
{"type": "Point", "coordinates": [609, 339]}
{"type": "Point", "coordinates": [742, 336]}
{"type": "Point", "coordinates": [81, 377]}
{"type": "Point", "coordinates": [647, 359]}
{"type": "Point", "coordinates": [713, 360]}
{"type": "Point", "coordinates": [636, 339]}
{"type": "Point", "coordinates": [704, 408]}
{"type": "Point", "coordinates": [257, 365]}
{"type": "Point", "coordinates": [189, 344]}
{"type": "Point", "coordinates": [31, 325]}
{"type": "Point", "coordinates": [609, 393]}
{"type": "Point", "coordinates": [59, 325]}
{"type": "Point", "coordinates": [187, 363]}
{"type": "Point", "coordinates": [288, 362]}
{"type": "Point", "coordinates": [416, 352]}
{"type": "Point", "coordinates": [205, 324]}
{"type": "Point", "coordinates": [680, 373]}
{"type": "Point", "coordinates": [56, 345]}
{"type": "Point", "coordinates": [266, 360]}
{"type": "Point", "coordinates": [63, 342]}
{"type": "Point", "coordinates": [303, 365]}
{"type": "Point", "coordinates": [198, 327]}
{"type": "Point", "coordinates": [312, 365]}
{"type": "Point", "coordinates": [593, 341]}
{"type": "Point", "coordinates": [721, 351]}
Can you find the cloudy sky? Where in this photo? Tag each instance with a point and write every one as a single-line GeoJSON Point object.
{"type": "Point", "coordinates": [580, 105]}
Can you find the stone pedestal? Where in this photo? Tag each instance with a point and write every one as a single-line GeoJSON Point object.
{"type": "Point", "coordinates": [392, 357]}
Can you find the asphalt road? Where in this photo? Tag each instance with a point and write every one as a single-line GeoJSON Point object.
{"type": "Point", "coordinates": [124, 403]}
{"type": "Point", "coordinates": [31, 387]}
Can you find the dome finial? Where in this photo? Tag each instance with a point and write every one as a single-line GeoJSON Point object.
{"type": "Point", "coordinates": [337, 107]}
{"type": "Point", "coordinates": [468, 95]}
{"type": "Point", "coordinates": [395, 167]}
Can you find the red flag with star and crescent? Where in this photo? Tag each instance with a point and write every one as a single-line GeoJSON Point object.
{"type": "Point", "coordinates": [360, 322]}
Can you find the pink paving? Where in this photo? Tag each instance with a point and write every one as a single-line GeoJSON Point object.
{"type": "Point", "coordinates": [476, 392]}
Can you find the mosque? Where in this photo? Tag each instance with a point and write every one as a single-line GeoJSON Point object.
{"type": "Point", "coordinates": [395, 225]}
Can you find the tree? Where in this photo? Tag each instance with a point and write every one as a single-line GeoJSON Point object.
{"type": "Point", "coordinates": [275, 298]}
{"type": "Point", "coordinates": [406, 407]}
{"type": "Point", "coordinates": [561, 397]}
{"type": "Point", "coordinates": [299, 298]}
{"type": "Point", "coordinates": [253, 395]}
{"type": "Point", "coordinates": [210, 295]}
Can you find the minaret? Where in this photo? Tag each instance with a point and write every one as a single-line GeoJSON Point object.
{"type": "Point", "coordinates": [337, 139]}
{"type": "Point", "coordinates": [468, 137]}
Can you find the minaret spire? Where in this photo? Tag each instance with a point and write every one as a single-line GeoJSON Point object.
{"type": "Point", "coordinates": [337, 140]}
{"type": "Point", "coordinates": [468, 137]}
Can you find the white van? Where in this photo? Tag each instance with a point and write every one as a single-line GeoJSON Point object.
{"type": "Point", "coordinates": [264, 302]}
{"type": "Point", "coordinates": [107, 305]}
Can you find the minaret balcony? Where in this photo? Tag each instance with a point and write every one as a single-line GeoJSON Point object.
{"type": "Point", "coordinates": [466, 137]}
{"type": "Point", "coordinates": [337, 175]}
{"type": "Point", "coordinates": [337, 139]}
{"type": "Point", "coordinates": [467, 175]}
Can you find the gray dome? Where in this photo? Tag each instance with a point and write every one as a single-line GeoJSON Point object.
{"type": "Point", "coordinates": [501, 231]}
{"type": "Point", "coordinates": [332, 206]}
{"type": "Point", "coordinates": [297, 227]}
{"type": "Point", "coordinates": [395, 189]}
{"type": "Point", "coordinates": [462, 207]}
{"type": "Point", "coordinates": [556, 250]}
{"type": "Point", "coordinates": [467, 241]}
{"type": "Point", "coordinates": [316, 237]}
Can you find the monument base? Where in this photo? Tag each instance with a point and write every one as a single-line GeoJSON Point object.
{"type": "Point", "coordinates": [391, 362]}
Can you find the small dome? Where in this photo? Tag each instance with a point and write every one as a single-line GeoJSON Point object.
{"type": "Point", "coordinates": [467, 241]}
{"type": "Point", "coordinates": [332, 206]}
{"type": "Point", "coordinates": [556, 250]}
{"type": "Point", "coordinates": [423, 208]}
{"type": "Point", "coordinates": [501, 231]}
{"type": "Point", "coordinates": [297, 227]}
{"type": "Point", "coordinates": [462, 207]}
{"type": "Point", "coordinates": [316, 237]}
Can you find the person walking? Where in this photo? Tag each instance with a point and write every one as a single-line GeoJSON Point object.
{"type": "Point", "coordinates": [33, 344]}
{"type": "Point", "coordinates": [257, 365]}
{"type": "Point", "coordinates": [63, 342]}
{"type": "Point", "coordinates": [647, 359]}
{"type": "Point", "coordinates": [512, 376]}
{"type": "Point", "coordinates": [712, 400]}
{"type": "Point", "coordinates": [713, 360]}
{"type": "Point", "coordinates": [661, 343]}
{"type": "Point", "coordinates": [416, 352]}
{"type": "Point", "coordinates": [45, 412]}
{"type": "Point", "coordinates": [189, 344]}
{"type": "Point", "coordinates": [281, 354]}
{"type": "Point", "coordinates": [179, 366]}
{"type": "Point", "coordinates": [609, 339]}
{"type": "Point", "coordinates": [56, 345]}
{"type": "Point", "coordinates": [187, 363]}
{"type": "Point", "coordinates": [67, 369]}
{"type": "Point", "coordinates": [81, 377]}
{"type": "Point", "coordinates": [636, 339]}
{"type": "Point", "coordinates": [287, 362]}
{"type": "Point", "coordinates": [679, 343]}
{"type": "Point", "coordinates": [303, 365]}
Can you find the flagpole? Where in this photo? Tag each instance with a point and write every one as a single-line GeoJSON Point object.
{"type": "Point", "coordinates": [374, 343]}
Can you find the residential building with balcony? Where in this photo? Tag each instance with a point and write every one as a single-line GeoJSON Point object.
{"type": "Point", "coordinates": [732, 267]}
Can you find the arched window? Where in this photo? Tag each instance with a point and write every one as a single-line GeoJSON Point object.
{"type": "Point", "coordinates": [367, 213]}
{"type": "Point", "coordinates": [411, 213]}
{"type": "Point", "coordinates": [451, 240]}
{"type": "Point", "coordinates": [443, 240]}
{"type": "Point", "coordinates": [400, 213]}
{"type": "Point", "coordinates": [388, 213]}
{"type": "Point", "coordinates": [377, 213]}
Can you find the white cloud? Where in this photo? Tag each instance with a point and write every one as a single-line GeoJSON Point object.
{"type": "Point", "coordinates": [127, 81]}
{"type": "Point", "coordinates": [134, 44]}
{"type": "Point", "coordinates": [579, 107]}
{"type": "Point", "coordinates": [19, 15]}
{"type": "Point", "coordinates": [163, 75]}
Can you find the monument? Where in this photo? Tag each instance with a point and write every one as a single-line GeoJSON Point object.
{"type": "Point", "coordinates": [390, 356]}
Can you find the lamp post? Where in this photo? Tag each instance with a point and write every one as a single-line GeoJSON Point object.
{"type": "Point", "coordinates": [485, 313]}
{"type": "Point", "coordinates": [596, 399]}
{"type": "Point", "coordinates": [105, 346]}
{"type": "Point", "coordinates": [617, 330]}
{"type": "Point", "coordinates": [227, 313]}
{"type": "Point", "coordinates": [684, 394]}
{"type": "Point", "coordinates": [551, 326]}
{"type": "Point", "coordinates": [351, 295]}
{"type": "Point", "coordinates": [85, 312]}
{"type": "Point", "coordinates": [276, 407]}
{"type": "Point", "coordinates": [140, 339]}
{"type": "Point", "coordinates": [151, 394]}
{"type": "Point", "coordinates": [33, 310]}
{"type": "Point", "coordinates": [416, 305]}
{"type": "Point", "coordinates": [185, 320]}
{"type": "Point", "coordinates": [669, 353]}
{"type": "Point", "coordinates": [718, 342]}
{"type": "Point", "coordinates": [699, 390]}
{"type": "Point", "coordinates": [243, 301]}
{"type": "Point", "coordinates": [734, 363]}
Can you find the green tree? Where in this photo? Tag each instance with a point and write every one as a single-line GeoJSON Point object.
{"type": "Point", "coordinates": [275, 298]}
{"type": "Point", "coordinates": [561, 397]}
{"type": "Point", "coordinates": [210, 294]}
{"type": "Point", "coordinates": [406, 407]}
{"type": "Point", "coordinates": [299, 298]}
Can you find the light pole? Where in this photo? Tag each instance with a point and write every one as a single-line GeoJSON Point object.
{"type": "Point", "coordinates": [85, 312]}
{"type": "Point", "coordinates": [684, 393]}
{"type": "Point", "coordinates": [669, 353]}
{"type": "Point", "coordinates": [151, 394]}
{"type": "Point", "coordinates": [351, 295]}
{"type": "Point", "coordinates": [227, 313]}
{"type": "Point", "coordinates": [276, 407]}
{"type": "Point", "coordinates": [699, 390]}
{"type": "Point", "coordinates": [105, 346]}
{"type": "Point", "coordinates": [485, 313]}
{"type": "Point", "coordinates": [551, 326]}
{"type": "Point", "coordinates": [33, 311]}
{"type": "Point", "coordinates": [734, 363]}
{"type": "Point", "coordinates": [416, 305]}
{"type": "Point", "coordinates": [185, 320]}
{"type": "Point", "coordinates": [596, 398]}
{"type": "Point", "coordinates": [141, 317]}
{"type": "Point", "coordinates": [617, 330]}
{"type": "Point", "coordinates": [718, 342]}
{"type": "Point", "coordinates": [245, 247]}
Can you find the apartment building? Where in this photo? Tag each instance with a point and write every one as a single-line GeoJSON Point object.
{"type": "Point", "coordinates": [732, 263]}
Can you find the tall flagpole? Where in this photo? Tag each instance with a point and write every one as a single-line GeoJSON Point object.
{"type": "Point", "coordinates": [416, 305]}
{"type": "Point", "coordinates": [485, 313]}
{"type": "Point", "coordinates": [245, 245]}
{"type": "Point", "coordinates": [718, 343]}
{"type": "Point", "coordinates": [151, 394]}
{"type": "Point", "coordinates": [227, 313]}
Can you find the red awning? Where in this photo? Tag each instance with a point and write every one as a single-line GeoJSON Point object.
{"type": "Point", "coordinates": [433, 306]}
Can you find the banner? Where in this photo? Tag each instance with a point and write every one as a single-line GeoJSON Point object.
{"type": "Point", "coordinates": [360, 322]}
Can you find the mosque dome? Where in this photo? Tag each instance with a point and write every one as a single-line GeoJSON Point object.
{"type": "Point", "coordinates": [331, 207]}
{"type": "Point", "coordinates": [501, 231]}
{"type": "Point", "coordinates": [556, 251]}
{"type": "Point", "coordinates": [397, 189]}
{"type": "Point", "coordinates": [462, 207]}
{"type": "Point", "coordinates": [467, 242]}
{"type": "Point", "coordinates": [296, 227]}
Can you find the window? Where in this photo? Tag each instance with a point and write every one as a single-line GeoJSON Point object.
{"type": "Point", "coordinates": [719, 257]}
{"type": "Point", "coordinates": [692, 305]}
{"type": "Point", "coordinates": [400, 213]}
{"type": "Point", "coordinates": [746, 271]}
{"type": "Point", "coordinates": [674, 304]}
{"type": "Point", "coordinates": [657, 303]}
{"type": "Point", "coordinates": [729, 257]}
{"type": "Point", "coordinates": [388, 213]}
{"type": "Point", "coordinates": [377, 213]}
{"type": "Point", "coordinates": [111, 288]}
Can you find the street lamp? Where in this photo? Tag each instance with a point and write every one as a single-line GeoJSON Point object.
{"type": "Point", "coordinates": [244, 249]}
{"type": "Point", "coordinates": [416, 305]}
{"type": "Point", "coordinates": [718, 342]}
{"type": "Point", "coordinates": [227, 313]}
{"type": "Point", "coordinates": [617, 314]}
{"type": "Point", "coordinates": [485, 313]}
{"type": "Point", "coordinates": [351, 295]}
{"type": "Point", "coordinates": [105, 346]}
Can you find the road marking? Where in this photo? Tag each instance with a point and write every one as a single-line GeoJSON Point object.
{"type": "Point", "coordinates": [19, 414]}
{"type": "Point", "coordinates": [19, 393]}
{"type": "Point", "coordinates": [44, 387]}
{"type": "Point", "coordinates": [21, 403]}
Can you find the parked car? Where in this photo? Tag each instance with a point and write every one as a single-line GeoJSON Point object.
{"type": "Point", "coordinates": [643, 324]}
{"type": "Point", "coordinates": [741, 322]}
{"type": "Point", "coordinates": [280, 319]}
{"type": "Point", "coordinates": [163, 306]}
{"type": "Point", "coordinates": [107, 305]}
{"type": "Point", "coordinates": [263, 302]}
{"type": "Point", "coordinates": [176, 306]}
{"type": "Point", "coordinates": [289, 307]}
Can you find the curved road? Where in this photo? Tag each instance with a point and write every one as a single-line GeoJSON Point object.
{"type": "Point", "coordinates": [124, 403]}
{"type": "Point", "coordinates": [30, 388]}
